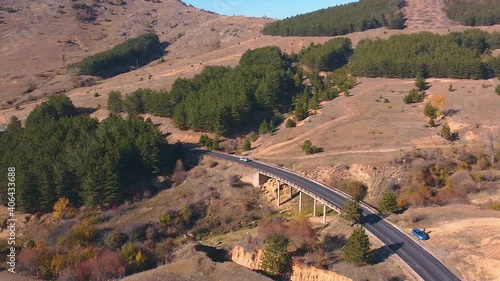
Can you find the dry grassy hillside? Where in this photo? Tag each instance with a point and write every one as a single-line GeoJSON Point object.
{"type": "Point", "coordinates": [41, 38]}
{"type": "Point", "coordinates": [33, 54]}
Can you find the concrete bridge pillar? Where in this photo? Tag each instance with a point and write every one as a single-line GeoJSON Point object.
{"type": "Point", "coordinates": [300, 201]}
{"type": "Point", "coordinates": [314, 208]}
{"type": "Point", "coordinates": [278, 197]}
{"type": "Point", "coordinates": [324, 213]}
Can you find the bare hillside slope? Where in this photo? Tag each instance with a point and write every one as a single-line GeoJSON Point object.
{"type": "Point", "coordinates": [41, 38]}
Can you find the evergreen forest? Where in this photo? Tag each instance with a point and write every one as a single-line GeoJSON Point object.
{"type": "Point", "coordinates": [473, 12]}
{"type": "Point", "coordinates": [461, 55]}
{"type": "Point", "coordinates": [60, 153]}
{"type": "Point", "coordinates": [220, 99]}
{"type": "Point", "coordinates": [342, 19]}
{"type": "Point", "coordinates": [134, 52]}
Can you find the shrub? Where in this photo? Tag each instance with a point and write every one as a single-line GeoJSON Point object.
{"type": "Point", "coordinates": [290, 123]}
{"type": "Point", "coordinates": [82, 234]}
{"type": "Point", "coordinates": [495, 206]}
{"type": "Point", "coordinates": [301, 233]}
{"type": "Point", "coordinates": [115, 239]}
{"type": "Point", "coordinates": [497, 89]}
{"type": "Point", "coordinates": [37, 261]}
{"type": "Point", "coordinates": [308, 148]}
{"type": "Point", "coordinates": [109, 265]}
{"type": "Point", "coordinates": [60, 207]}
{"type": "Point", "coordinates": [137, 259]}
{"type": "Point", "coordinates": [354, 188]}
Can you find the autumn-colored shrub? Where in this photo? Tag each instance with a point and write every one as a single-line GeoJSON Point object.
{"type": "Point", "coordinates": [37, 261]}
{"type": "Point", "coordinates": [270, 226]}
{"type": "Point", "coordinates": [60, 207]}
{"type": "Point", "coordinates": [137, 259]}
{"type": "Point", "coordinates": [300, 233]}
{"type": "Point", "coordinates": [82, 234]}
{"type": "Point", "coordinates": [109, 265]}
{"type": "Point", "coordinates": [462, 183]}
{"type": "Point", "coordinates": [417, 196]}
{"type": "Point", "coordinates": [115, 239]}
{"type": "Point", "coordinates": [354, 188]}
{"type": "Point", "coordinates": [495, 206]}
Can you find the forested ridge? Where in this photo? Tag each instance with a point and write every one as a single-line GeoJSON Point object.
{"type": "Point", "coordinates": [220, 99]}
{"type": "Point", "coordinates": [62, 154]}
{"type": "Point", "coordinates": [462, 55]}
{"type": "Point", "coordinates": [473, 12]}
{"type": "Point", "coordinates": [119, 59]}
{"type": "Point", "coordinates": [342, 19]}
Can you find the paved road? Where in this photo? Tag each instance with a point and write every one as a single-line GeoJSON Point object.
{"type": "Point", "coordinates": [424, 264]}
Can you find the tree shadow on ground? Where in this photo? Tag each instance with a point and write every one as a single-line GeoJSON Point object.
{"type": "Point", "coordinates": [383, 253]}
{"type": "Point", "coordinates": [370, 219]}
{"type": "Point", "coordinates": [333, 243]}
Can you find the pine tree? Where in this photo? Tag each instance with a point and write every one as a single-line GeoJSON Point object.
{"type": "Point", "coordinates": [446, 132]}
{"type": "Point", "coordinates": [314, 103]}
{"type": "Point", "coordinates": [388, 202]}
{"type": "Point", "coordinates": [431, 123]}
{"type": "Point", "coordinates": [351, 210]}
{"type": "Point", "coordinates": [430, 111]}
{"type": "Point", "coordinates": [357, 248]}
{"type": "Point", "coordinates": [276, 260]}
{"type": "Point", "coordinates": [264, 127]}
{"type": "Point", "coordinates": [420, 83]}
{"type": "Point", "coordinates": [115, 102]}
{"type": "Point", "coordinates": [290, 123]}
{"type": "Point", "coordinates": [247, 145]}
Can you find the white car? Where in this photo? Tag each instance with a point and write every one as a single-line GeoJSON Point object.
{"type": "Point", "coordinates": [245, 159]}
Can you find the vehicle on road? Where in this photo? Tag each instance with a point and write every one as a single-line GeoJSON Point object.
{"type": "Point", "coordinates": [245, 159]}
{"type": "Point", "coordinates": [421, 235]}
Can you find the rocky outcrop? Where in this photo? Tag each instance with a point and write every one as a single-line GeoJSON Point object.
{"type": "Point", "coordinates": [300, 272]}
{"type": "Point", "coordinates": [249, 260]}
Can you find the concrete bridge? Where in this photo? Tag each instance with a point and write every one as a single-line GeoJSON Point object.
{"type": "Point", "coordinates": [262, 177]}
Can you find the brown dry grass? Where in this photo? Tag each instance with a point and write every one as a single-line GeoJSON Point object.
{"type": "Point", "coordinates": [464, 237]}
{"type": "Point", "coordinates": [357, 129]}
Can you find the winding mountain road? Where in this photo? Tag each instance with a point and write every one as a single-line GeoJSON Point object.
{"type": "Point", "coordinates": [428, 267]}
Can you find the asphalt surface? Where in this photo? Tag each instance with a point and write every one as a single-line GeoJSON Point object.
{"type": "Point", "coordinates": [422, 262]}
